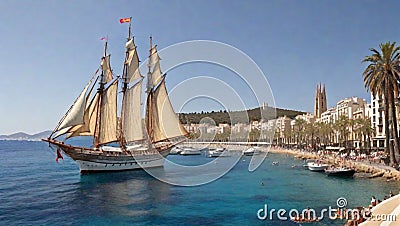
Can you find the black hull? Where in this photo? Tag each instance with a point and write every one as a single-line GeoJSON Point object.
{"type": "Point", "coordinates": [341, 173]}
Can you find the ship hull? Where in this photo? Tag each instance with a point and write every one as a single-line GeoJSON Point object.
{"type": "Point", "coordinates": [86, 167]}
{"type": "Point", "coordinates": [95, 161]}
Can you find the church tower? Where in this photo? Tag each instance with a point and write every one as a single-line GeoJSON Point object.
{"type": "Point", "coordinates": [323, 100]}
{"type": "Point", "coordinates": [320, 104]}
{"type": "Point", "coordinates": [316, 102]}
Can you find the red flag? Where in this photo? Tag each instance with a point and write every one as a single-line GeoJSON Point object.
{"type": "Point", "coordinates": [59, 155]}
{"type": "Point", "coordinates": [125, 20]}
{"type": "Point", "coordinates": [103, 38]}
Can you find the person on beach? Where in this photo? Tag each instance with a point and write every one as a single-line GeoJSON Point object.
{"type": "Point", "coordinates": [390, 194]}
{"type": "Point", "coordinates": [368, 213]}
{"type": "Point", "coordinates": [373, 201]}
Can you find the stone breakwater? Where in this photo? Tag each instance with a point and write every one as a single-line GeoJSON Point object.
{"type": "Point", "coordinates": [371, 170]}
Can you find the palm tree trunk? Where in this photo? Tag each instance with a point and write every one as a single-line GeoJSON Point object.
{"type": "Point", "coordinates": [394, 122]}
{"type": "Point", "coordinates": [388, 147]}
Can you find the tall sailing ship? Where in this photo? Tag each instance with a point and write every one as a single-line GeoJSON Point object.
{"type": "Point", "coordinates": [121, 142]}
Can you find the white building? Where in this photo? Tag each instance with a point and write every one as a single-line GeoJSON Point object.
{"type": "Point", "coordinates": [377, 122]}
{"type": "Point", "coordinates": [308, 117]}
{"type": "Point", "coordinates": [348, 106]}
{"type": "Point", "coordinates": [329, 116]}
{"type": "Point", "coordinates": [283, 125]}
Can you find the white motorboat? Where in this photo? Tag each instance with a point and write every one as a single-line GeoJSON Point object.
{"type": "Point", "coordinates": [251, 151]}
{"type": "Point", "coordinates": [190, 151]}
{"type": "Point", "coordinates": [317, 167]}
{"type": "Point", "coordinates": [175, 150]}
{"type": "Point", "coordinates": [306, 162]}
{"type": "Point", "coordinates": [213, 153]}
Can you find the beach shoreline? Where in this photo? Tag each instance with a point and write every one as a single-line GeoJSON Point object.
{"type": "Point", "coordinates": [373, 170]}
{"type": "Point", "coordinates": [370, 170]}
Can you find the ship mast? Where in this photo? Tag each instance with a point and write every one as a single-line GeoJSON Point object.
{"type": "Point", "coordinates": [125, 82]}
{"type": "Point", "coordinates": [149, 96]}
{"type": "Point", "coordinates": [100, 90]}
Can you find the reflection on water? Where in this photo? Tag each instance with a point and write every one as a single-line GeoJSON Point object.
{"type": "Point", "coordinates": [124, 193]}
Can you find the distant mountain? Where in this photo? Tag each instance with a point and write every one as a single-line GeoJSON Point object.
{"type": "Point", "coordinates": [25, 136]}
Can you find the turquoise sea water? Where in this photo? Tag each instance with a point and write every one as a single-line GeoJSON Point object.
{"type": "Point", "coordinates": [35, 190]}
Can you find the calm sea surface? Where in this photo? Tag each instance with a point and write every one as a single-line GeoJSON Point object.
{"type": "Point", "coordinates": [35, 190]}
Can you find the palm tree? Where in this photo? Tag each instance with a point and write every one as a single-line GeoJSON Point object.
{"type": "Point", "coordinates": [341, 126]}
{"type": "Point", "coordinates": [367, 131]}
{"type": "Point", "coordinates": [363, 131]}
{"type": "Point", "coordinates": [311, 130]}
{"type": "Point", "coordinates": [381, 78]}
{"type": "Point", "coordinates": [325, 131]}
{"type": "Point", "coordinates": [299, 125]}
{"type": "Point", "coordinates": [287, 134]}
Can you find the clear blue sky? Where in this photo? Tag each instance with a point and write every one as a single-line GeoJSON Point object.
{"type": "Point", "coordinates": [49, 49]}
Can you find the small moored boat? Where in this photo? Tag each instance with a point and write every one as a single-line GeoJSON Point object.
{"type": "Point", "coordinates": [340, 172]}
{"type": "Point", "coordinates": [190, 151]}
{"type": "Point", "coordinates": [317, 167]}
{"type": "Point", "coordinates": [213, 153]}
{"type": "Point", "coordinates": [251, 151]}
{"type": "Point", "coordinates": [175, 150]}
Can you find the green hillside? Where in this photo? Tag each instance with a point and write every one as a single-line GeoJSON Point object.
{"type": "Point", "coordinates": [238, 116]}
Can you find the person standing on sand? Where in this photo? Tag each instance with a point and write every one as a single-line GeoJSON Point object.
{"type": "Point", "coordinates": [373, 201]}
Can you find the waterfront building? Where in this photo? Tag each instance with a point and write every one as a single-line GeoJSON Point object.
{"type": "Point", "coordinates": [223, 127]}
{"type": "Point", "coordinates": [378, 122]}
{"type": "Point", "coordinates": [308, 117]}
{"type": "Point", "coordinates": [282, 127]}
{"type": "Point", "coordinates": [349, 106]}
{"type": "Point", "coordinates": [329, 116]}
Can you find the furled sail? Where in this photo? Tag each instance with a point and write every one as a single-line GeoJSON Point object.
{"type": "Point", "coordinates": [132, 119]}
{"type": "Point", "coordinates": [108, 120]}
{"type": "Point", "coordinates": [132, 62]}
{"type": "Point", "coordinates": [105, 66]}
{"type": "Point", "coordinates": [161, 121]}
{"type": "Point", "coordinates": [75, 114]}
{"type": "Point", "coordinates": [156, 75]}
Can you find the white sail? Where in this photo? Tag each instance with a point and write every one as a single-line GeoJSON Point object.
{"type": "Point", "coordinates": [162, 122]}
{"type": "Point", "coordinates": [153, 56]}
{"type": "Point", "coordinates": [132, 119]}
{"type": "Point", "coordinates": [74, 116]}
{"type": "Point", "coordinates": [108, 120]}
{"type": "Point", "coordinates": [63, 131]}
{"type": "Point", "coordinates": [105, 66]}
{"type": "Point", "coordinates": [156, 75]}
{"type": "Point", "coordinates": [132, 62]}
{"type": "Point", "coordinates": [89, 125]}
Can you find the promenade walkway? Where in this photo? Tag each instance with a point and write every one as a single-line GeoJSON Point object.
{"type": "Point", "coordinates": [386, 213]}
